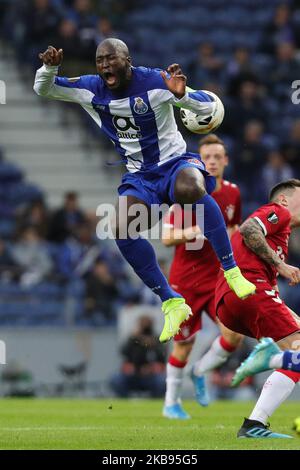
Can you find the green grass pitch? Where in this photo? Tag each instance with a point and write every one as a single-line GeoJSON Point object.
{"type": "Point", "coordinates": [132, 424]}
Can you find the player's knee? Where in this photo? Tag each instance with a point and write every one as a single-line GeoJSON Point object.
{"type": "Point", "coordinates": [183, 349]}
{"type": "Point", "coordinates": [189, 189]}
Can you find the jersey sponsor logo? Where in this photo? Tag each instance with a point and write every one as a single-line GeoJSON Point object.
{"type": "Point", "coordinates": [140, 107]}
{"type": "Point", "coordinates": [126, 128]}
{"type": "Point", "coordinates": [273, 218]}
{"type": "Point", "coordinates": [230, 211]}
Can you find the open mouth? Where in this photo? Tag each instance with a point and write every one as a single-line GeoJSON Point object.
{"type": "Point", "coordinates": [110, 79]}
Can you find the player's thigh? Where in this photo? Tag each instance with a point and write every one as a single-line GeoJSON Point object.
{"type": "Point", "coordinates": [127, 209]}
{"type": "Point", "coordinates": [290, 342]}
{"type": "Point", "coordinates": [233, 338]}
{"type": "Point", "coordinates": [189, 186]}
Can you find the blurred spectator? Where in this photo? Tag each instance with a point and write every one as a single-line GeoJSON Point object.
{"type": "Point", "coordinates": [17, 381]}
{"type": "Point", "coordinates": [84, 16]}
{"type": "Point", "coordinates": [291, 146]}
{"type": "Point", "coordinates": [104, 30]}
{"type": "Point", "coordinates": [285, 70]}
{"type": "Point", "coordinates": [66, 220]}
{"type": "Point", "coordinates": [78, 254]}
{"type": "Point", "coordinates": [101, 292]}
{"type": "Point", "coordinates": [143, 369]}
{"type": "Point", "coordinates": [275, 170]}
{"type": "Point", "coordinates": [239, 63]}
{"type": "Point", "coordinates": [36, 215]}
{"type": "Point", "coordinates": [40, 24]}
{"type": "Point", "coordinates": [247, 104]}
{"type": "Point", "coordinates": [249, 155]}
{"type": "Point", "coordinates": [278, 30]}
{"type": "Point", "coordinates": [31, 255]}
{"type": "Point", "coordinates": [8, 267]}
{"type": "Point", "coordinates": [68, 39]}
{"type": "Point", "coordinates": [208, 65]}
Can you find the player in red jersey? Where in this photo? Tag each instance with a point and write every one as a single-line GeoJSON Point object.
{"type": "Point", "coordinates": [193, 274]}
{"type": "Point", "coordinates": [260, 247]}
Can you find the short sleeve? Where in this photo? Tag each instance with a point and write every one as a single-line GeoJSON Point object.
{"type": "Point", "coordinates": [272, 218]}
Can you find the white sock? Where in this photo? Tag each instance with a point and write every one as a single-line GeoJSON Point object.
{"type": "Point", "coordinates": [276, 361]}
{"type": "Point", "coordinates": [275, 390]}
{"type": "Point", "coordinates": [215, 357]}
{"type": "Point", "coordinates": [174, 381]}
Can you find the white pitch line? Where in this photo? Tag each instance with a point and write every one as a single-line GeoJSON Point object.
{"type": "Point", "coordinates": [49, 428]}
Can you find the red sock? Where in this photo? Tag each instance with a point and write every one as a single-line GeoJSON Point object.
{"type": "Point", "coordinates": [294, 376]}
{"type": "Point", "coordinates": [176, 362]}
{"type": "Point", "coordinates": [225, 345]}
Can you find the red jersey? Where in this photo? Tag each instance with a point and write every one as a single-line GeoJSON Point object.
{"type": "Point", "coordinates": [274, 220]}
{"type": "Point", "coordinates": [196, 268]}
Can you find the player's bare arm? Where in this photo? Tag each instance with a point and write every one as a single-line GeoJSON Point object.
{"type": "Point", "coordinates": [255, 239]}
{"type": "Point", "coordinates": [176, 83]}
{"type": "Point", "coordinates": [51, 56]}
{"type": "Point", "coordinates": [231, 229]}
{"type": "Point", "coordinates": [176, 236]}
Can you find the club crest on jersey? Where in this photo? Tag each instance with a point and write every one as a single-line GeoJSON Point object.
{"type": "Point", "coordinates": [230, 211]}
{"type": "Point", "coordinates": [273, 218]}
{"type": "Point", "coordinates": [140, 107]}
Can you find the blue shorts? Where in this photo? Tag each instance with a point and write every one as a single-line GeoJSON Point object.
{"type": "Point", "coordinates": [156, 186]}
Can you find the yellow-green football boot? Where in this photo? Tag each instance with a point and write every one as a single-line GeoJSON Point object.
{"type": "Point", "coordinates": [238, 283]}
{"type": "Point", "coordinates": [176, 311]}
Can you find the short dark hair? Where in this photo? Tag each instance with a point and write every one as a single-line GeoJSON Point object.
{"type": "Point", "coordinates": [212, 139]}
{"type": "Point", "coordinates": [71, 195]}
{"type": "Point", "coordinates": [284, 186]}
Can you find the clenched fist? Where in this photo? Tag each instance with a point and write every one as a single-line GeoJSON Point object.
{"type": "Point", "coordinates": [51, 56]}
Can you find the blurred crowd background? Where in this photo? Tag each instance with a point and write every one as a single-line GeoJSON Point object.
{"type": "Point", "coordinates": [53, 269]}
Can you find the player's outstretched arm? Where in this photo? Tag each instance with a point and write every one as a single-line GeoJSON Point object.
{"type": "Point", "coordinates": [47, 83]}
{"type": "Point", "coordinates": [44, 83]}
{"type": "Point", "coordinates": [196, 101]}
{"type": "Point", "coordinates": [51, 56]}
{"type": "Point", "coordinates": [254, 238]}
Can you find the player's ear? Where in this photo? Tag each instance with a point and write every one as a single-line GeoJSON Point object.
{"type": "Point", "coordinates": [283, 200]}
{"type": "Point", "coordinates": [129, 60]}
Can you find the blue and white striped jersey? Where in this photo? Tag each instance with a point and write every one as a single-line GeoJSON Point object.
{"type": "Point", "coordinates": [140, 121]}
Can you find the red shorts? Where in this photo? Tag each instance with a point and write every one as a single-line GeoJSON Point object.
{"type": "Point", "coordinates": [198, 302]}
{"type": "Point", "coordinates": [261, 315]}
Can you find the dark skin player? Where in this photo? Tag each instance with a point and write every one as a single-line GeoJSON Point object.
{"type": "Point", "coordinates": [113, 64]}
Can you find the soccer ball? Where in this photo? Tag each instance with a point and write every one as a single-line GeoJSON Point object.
{"type": "Point", "coordinates": [203, 124]}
